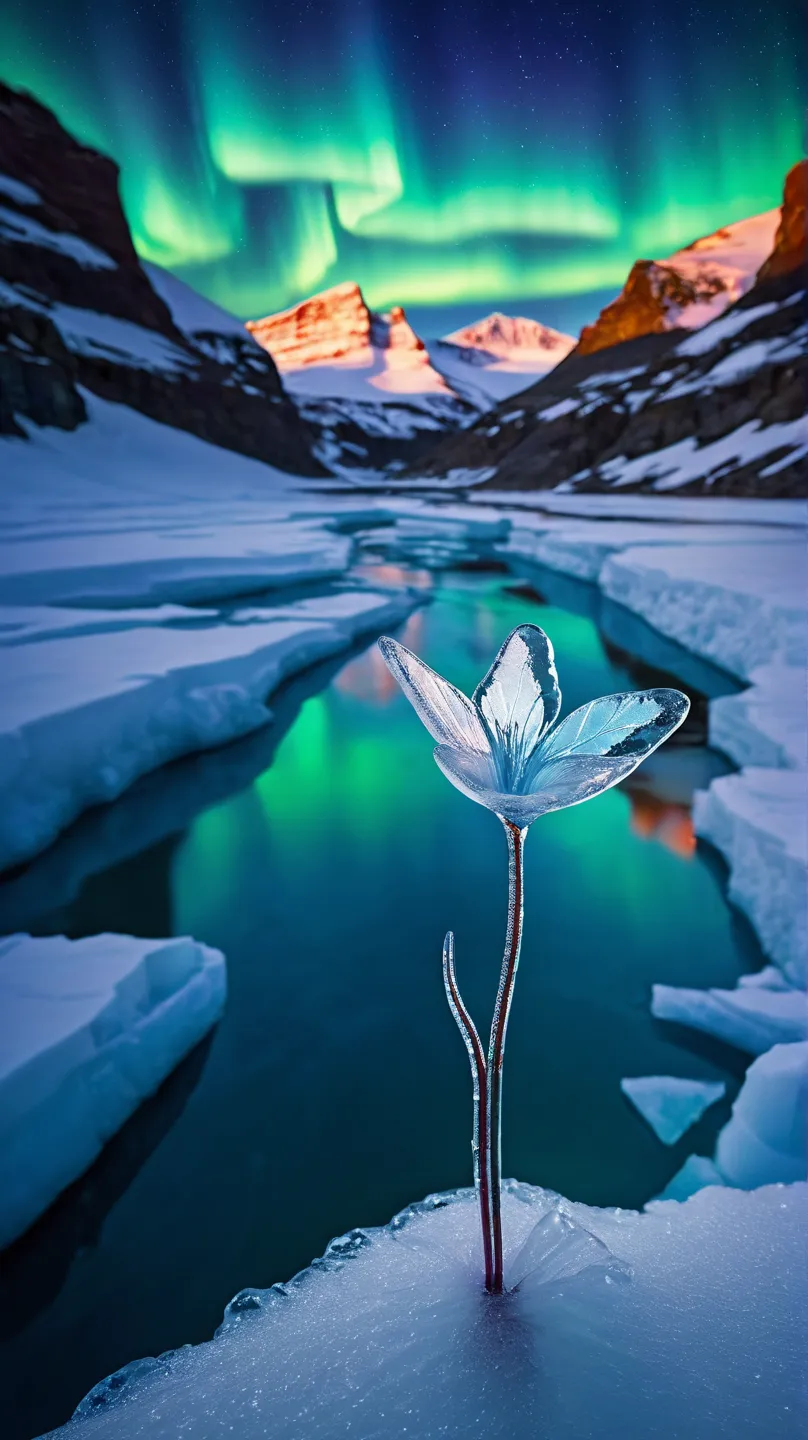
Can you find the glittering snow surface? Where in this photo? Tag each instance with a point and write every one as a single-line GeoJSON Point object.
{"type": "Point", "coordinates": [687, 1321]}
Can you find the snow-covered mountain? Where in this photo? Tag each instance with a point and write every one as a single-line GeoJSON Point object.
{"type": "Point", "coordinates": [364, 379]}
{"type": "Point", "coordinates": [718, 409]}
{"type": "Point", "coordinates": [79, 313]}
{"type": "Point", "coordinates": [689, 288]}
{"type": "Point", "coordinates": [334, 345]}
{"type": "Point", "coordinates": [499, 355]}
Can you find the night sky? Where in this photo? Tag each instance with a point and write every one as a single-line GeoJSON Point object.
{"type": "Point", "coordinates": [461, 154]}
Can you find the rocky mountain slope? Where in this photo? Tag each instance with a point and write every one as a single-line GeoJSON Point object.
{"type": "Point", "coordinates": [78, 312]}
{"type": "Point", "coordinates": [718, 410]}
{"type": "Point", "coordinates": [690, 288]}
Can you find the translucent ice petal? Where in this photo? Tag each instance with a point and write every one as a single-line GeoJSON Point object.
{"type": "Point", "coordinates": [571, 779]}
{"type": "Point", "coordinates": [558, 1249]}
{"type": "Point", "coordinates": [447, 713]}
{"type": "Point", "coordinates": [476, 776]}
{"type": "Point", "coordinates": [631, 724]}
{"type": "Point", "coordinates": [520, 696]}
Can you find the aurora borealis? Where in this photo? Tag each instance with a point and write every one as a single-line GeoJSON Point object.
{"type": "Point", "coordinates": [439, 154]}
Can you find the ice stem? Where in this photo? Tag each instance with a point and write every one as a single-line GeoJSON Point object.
{"type": "Point", "coordinates": [496, 1049]}
{"type": "Point", "coordinates": [473, 1045]}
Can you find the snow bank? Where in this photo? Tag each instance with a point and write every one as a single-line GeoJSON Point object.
{"type": "Point", "coordinates": [767, 724]}
{"type": "Point", "coordinates": [740, 606]}
{"type": "Point", "coordinates": [390, 1335]}
{"type": "Point", "coordinates": [759, 821]}
{"type": "Point", "coordinates": [670, 1104]}
{"type": "Point", "coordinates": [763, 1011]}
{"type": "Point", "coordinates": [703, 509]}
{"type": "Point", "coordinates": [88, 1029]}
{"type": "Point", "coordinates": [582, 547]}
{"type": "Point", "coordinates": [85, 715]}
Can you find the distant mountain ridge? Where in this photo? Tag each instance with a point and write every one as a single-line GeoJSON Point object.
{"type": "Point", "coordinates": [510, 337]}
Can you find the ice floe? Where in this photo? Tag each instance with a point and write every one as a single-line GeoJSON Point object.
{"type": "Point", "coordinates": [671, 1104]}
{"type": "Point", "coordinates": [740, 606]}
{"type": "Point", "coordinates": [763, 1010]}
{"type": "Point", "coordinates": [89, 1028]}
{"type": "Point", "coordinates": [85, 715]}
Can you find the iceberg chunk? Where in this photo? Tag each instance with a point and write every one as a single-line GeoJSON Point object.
{"type": "Point", "coordinates": [754, 1016]}
{"type": "Point", "coordinates": [671, 1105]}
{"type": "Point", "coordinates": [766, 1138]}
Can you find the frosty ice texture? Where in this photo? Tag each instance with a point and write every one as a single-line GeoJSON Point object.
{"type": "Point", "coordinates": [390, 1336]}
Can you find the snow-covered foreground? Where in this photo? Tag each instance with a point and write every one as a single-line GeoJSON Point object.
{"type": "Point", "coordinates": [621, 1325]}
{"type": "Point", "coordinates": [88, 1029]}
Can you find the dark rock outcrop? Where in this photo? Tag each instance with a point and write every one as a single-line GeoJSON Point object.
{"type": "Point", "coordinates": [67, 258]}
{"type": "Point", "coordinates": [593, 415]}
{"type": "Point", "coordinates": [37, 373]}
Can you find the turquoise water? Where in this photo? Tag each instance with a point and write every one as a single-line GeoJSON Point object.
{"type": "Point", "coordinates": [327, 858]}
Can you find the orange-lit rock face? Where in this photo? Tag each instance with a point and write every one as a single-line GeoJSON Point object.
{"type": "Point", "coordinates": [336, 328]}
{"type": "Point", "coordinates": [318, 331]}
{"type": "Point", "coordinates": [687, 289]}
{"type": "Point", "coordinates": [791, 242]}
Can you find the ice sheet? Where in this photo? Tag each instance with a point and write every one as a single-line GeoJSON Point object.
{"type": "Point", "coordinates": [88, 1029]}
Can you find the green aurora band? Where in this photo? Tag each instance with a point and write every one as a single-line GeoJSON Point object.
{"type": "Point", "coordinates": [265, 155]}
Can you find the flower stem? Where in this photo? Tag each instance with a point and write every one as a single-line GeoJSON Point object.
{"type": "Point", "coordinates": [496, 1049]}
{"type": "Point", "coordinates": [473, 1044]}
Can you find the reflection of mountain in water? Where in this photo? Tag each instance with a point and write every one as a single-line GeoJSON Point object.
{"type": "Point", "coordinates": [670, 825]}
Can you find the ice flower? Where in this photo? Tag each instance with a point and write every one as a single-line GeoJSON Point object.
{"type": "Point", "coordinates": [506, 749]}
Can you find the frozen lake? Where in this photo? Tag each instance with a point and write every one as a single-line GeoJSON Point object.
{"type": "Point", "coordinates": [327, 857]}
